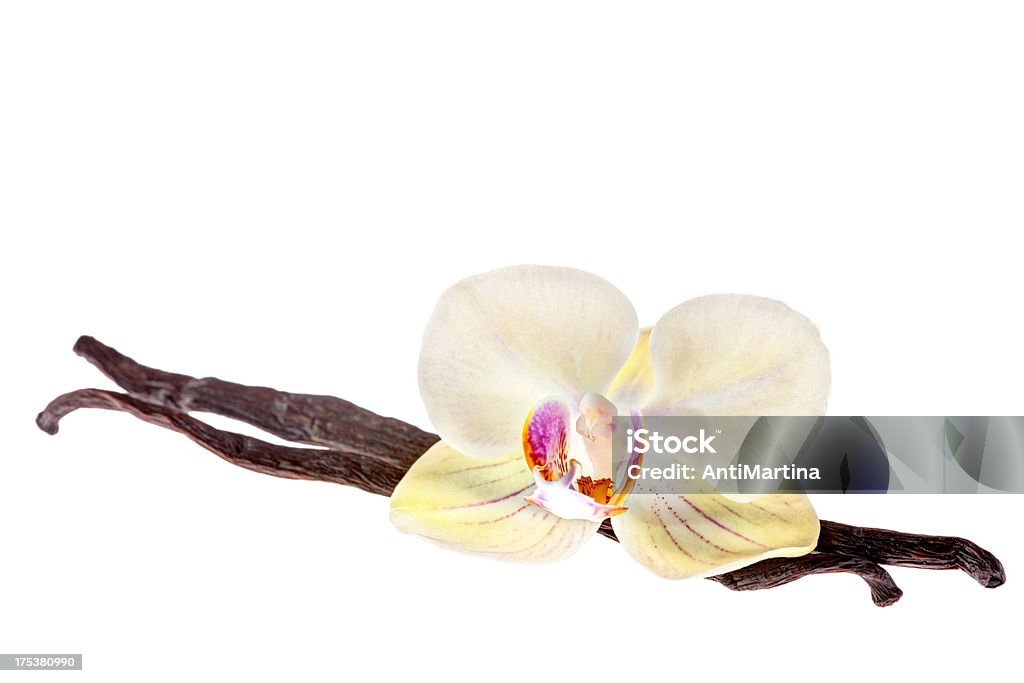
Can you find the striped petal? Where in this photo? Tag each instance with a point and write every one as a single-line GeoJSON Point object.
{"type": "Point", "coordinates": [479, 507]}
{"type": "Point", "coordinates": [731, 354]}
{"type": "Point", "coordinates": [499, 342]}
{"type": "Point", "coordinates": [682, 536]}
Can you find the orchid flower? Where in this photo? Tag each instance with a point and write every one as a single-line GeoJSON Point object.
{"type": "Point", "coordinates": [522, 371]}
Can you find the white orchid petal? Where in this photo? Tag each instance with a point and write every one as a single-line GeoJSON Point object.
{"type": "Point", "coordinates": [682, 536]}
{"type": "Point", "coordinates": [499, 342]}
{"type": "Point", "coordinates": [479, 507]}
{"type": "Point", "coordinates": [732, 354]}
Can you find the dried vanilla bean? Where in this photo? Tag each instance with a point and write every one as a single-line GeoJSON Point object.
{"type": "Point", "coordinates": [302, 418]}
{"type": "Point", "coordinates": [374, 474]}
{"type": "Point", "coordinates": [899, 549]}
{"type": "Point", "coordinates": [372, 452]}
{"type": "Point", "coordinates": [783, 570]}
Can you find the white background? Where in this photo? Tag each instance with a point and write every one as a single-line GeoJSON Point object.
{"type": "Point", "coordinates": [276, 193]}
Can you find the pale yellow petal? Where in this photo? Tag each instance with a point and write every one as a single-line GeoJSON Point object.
{"type": "Point", "coordinates": [732, 354]}
{"type": "Point", "coordinates": [499, 342]}
{"type": "Point", "coordinates": [682, 536]}
{"type": "Point", "coordinates": [478, 506]}
{"type": "Point", "coordinates": [633, 385]}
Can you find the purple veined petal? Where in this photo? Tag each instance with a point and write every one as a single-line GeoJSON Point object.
{"type": "Point", "coordinates": [477, 506]}
{"type": "Point", "coordinates": [679, 536]}
{"type": "Point", "coordinates": [546, 438]}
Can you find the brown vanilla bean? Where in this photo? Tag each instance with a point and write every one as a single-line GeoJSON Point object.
{"type": "Point", "coordinates": [301, 418]}
{"type": "Point", "coordinates": [373, 452]}
{"type": "Point", "coordinates": [900, 549]}
{"type": "Point", "coordinates": [780, 571]}
{"type": "Point", "coordinates": [371, 474]}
